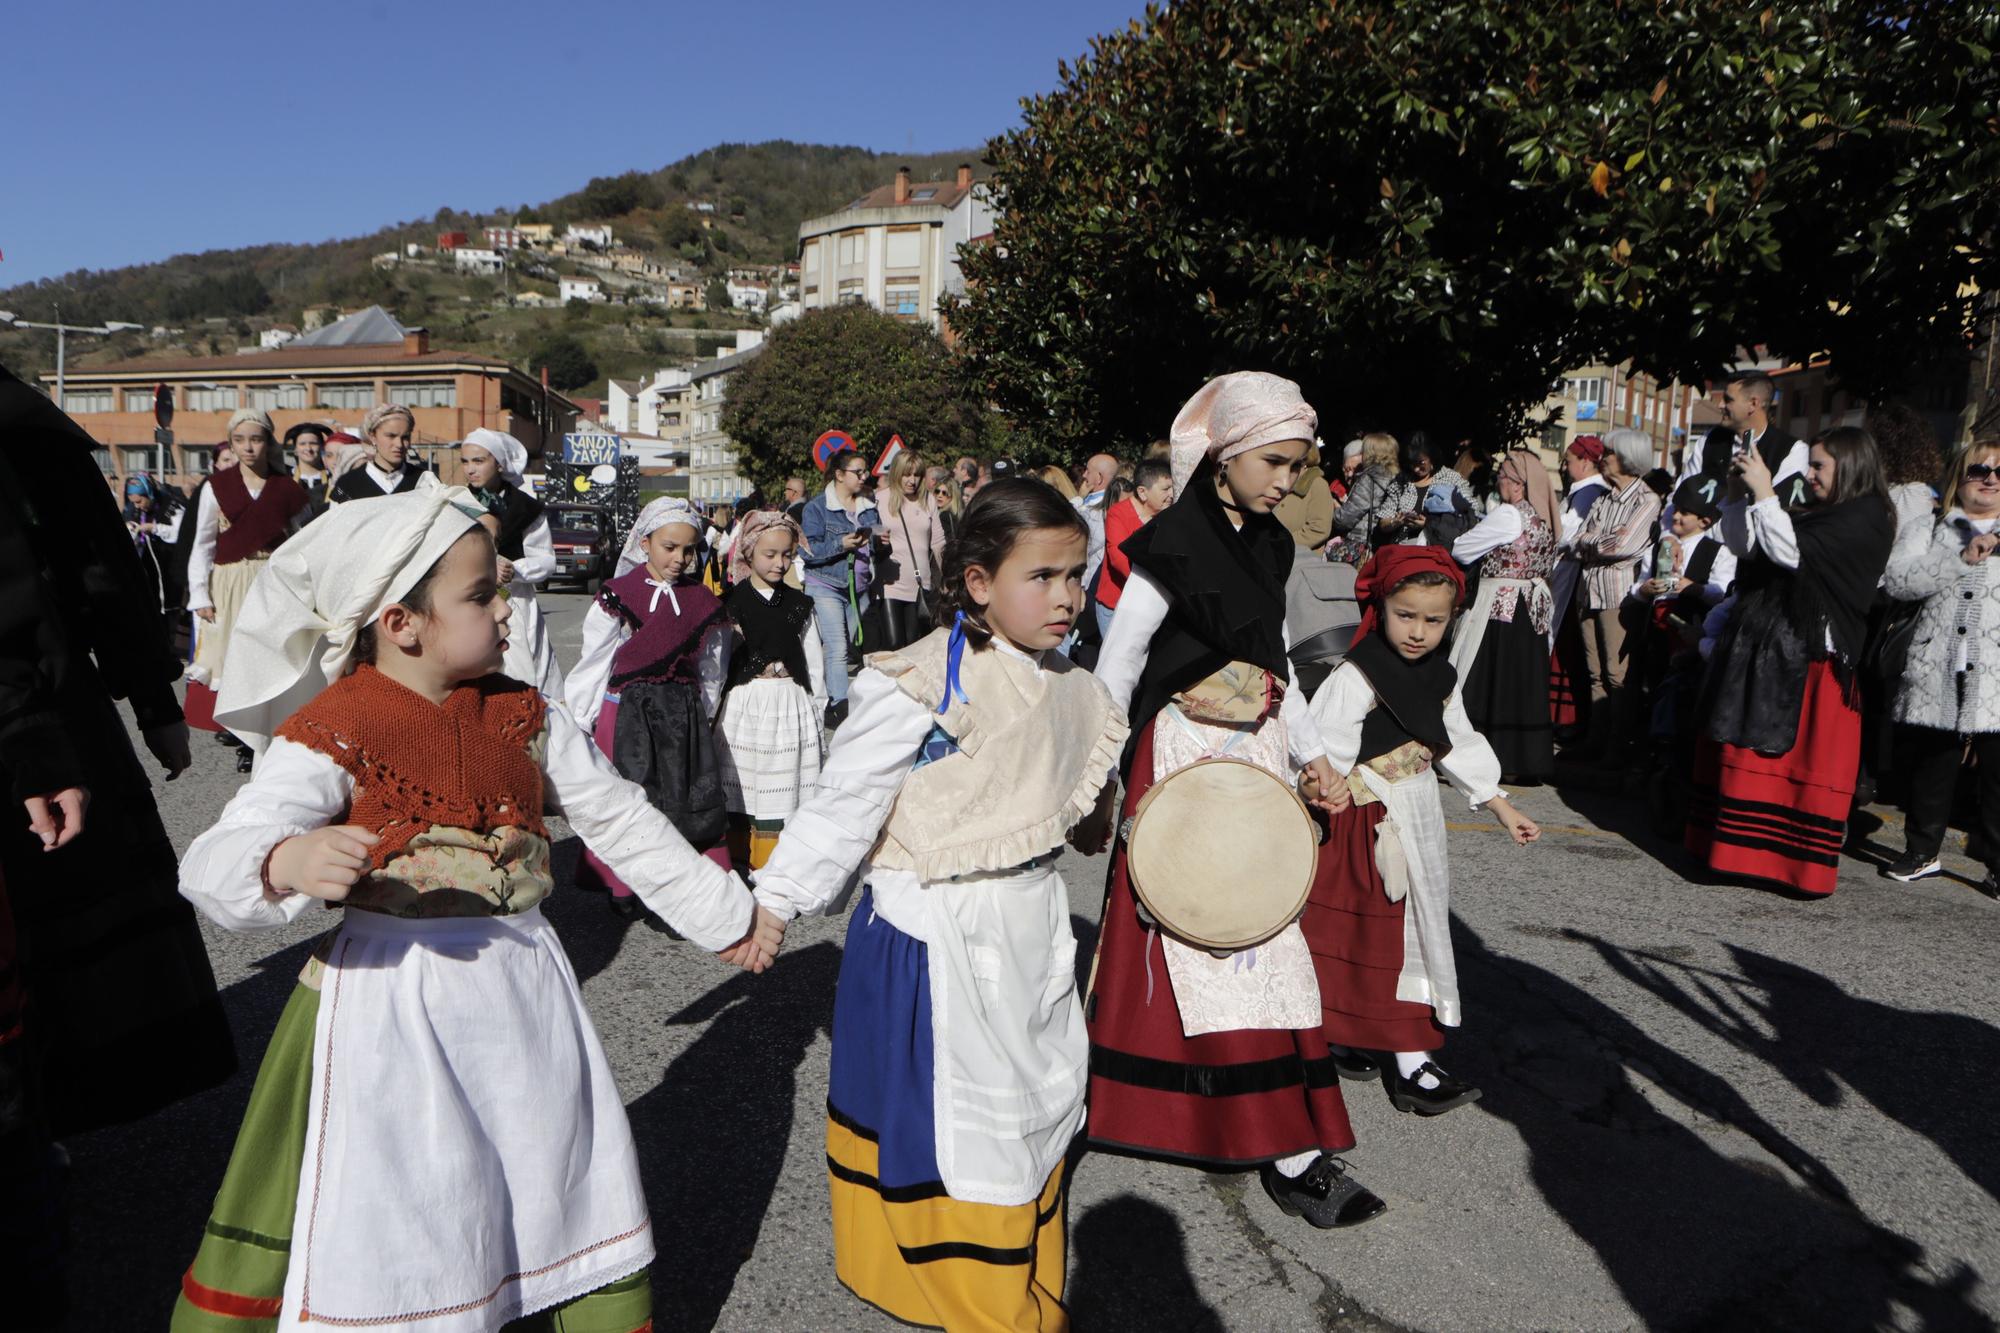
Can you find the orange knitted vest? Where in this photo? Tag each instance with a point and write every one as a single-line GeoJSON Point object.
{"type": "Point", "coordinates": [465, 765]}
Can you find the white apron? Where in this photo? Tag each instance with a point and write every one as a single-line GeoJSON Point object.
{"type": "Point", "coordinates": [467, 1156]}
{"type": "Point", "coordinates": [1410, 854]}
{"type": "Point", "coordinates": [1009, 1052]}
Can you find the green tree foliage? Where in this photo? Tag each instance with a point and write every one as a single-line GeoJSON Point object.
{"type": "Point", "coordinates": [1426, 212]}
{"type": "Point", "coordinates": [566, 359]}
{"type": "Point", "coordinates": [850, 368]}
{"type": "Point", "coordinates": [234, 293]}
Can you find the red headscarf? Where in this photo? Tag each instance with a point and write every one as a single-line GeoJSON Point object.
{"type": "Point", "coordinates": [1587, 447]}
{"type": "Point", "coordinates": [1389, 567]}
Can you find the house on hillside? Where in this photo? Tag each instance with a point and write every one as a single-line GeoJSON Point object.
{"type": "Point", "coordinates": [748, 295]}
{"type": "Point", "coordinates": [579, 289]}
{"type": "Point", "coordinates": [489, 262]}
{"type": "Point", "coordinates": [451, 240]}
{"type": "Point", "coordinates": [332, 376]}
{"type": "Point", "coordinates": [536, 233]}
{"type": "Point", "coordinates": [895, 248]}
{"type": "Point", "coordinates": [599, 236]}
{"type": "Point", "coordinates": [504, 238]}
{"type": "Point", "coordinates": [276, 336]}
{"type": "Point", "coordinates": [686, 296]}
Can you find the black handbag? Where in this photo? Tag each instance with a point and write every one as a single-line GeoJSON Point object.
{"type": "Point", "coordinates": [1887, 652]}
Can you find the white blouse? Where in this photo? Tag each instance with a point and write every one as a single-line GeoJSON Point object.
{"type": "Point", "coordinates": [604, 634]}
{"type": "Point", "coordinates": [1142, 608]}
{"type": "Point", "coordinates": [1502, 526]}
{"type": "Point", "coordinates": [296, 789]}
{"type": "Point", "coordinates": [538, 556]}
{"type": "Point", "coordinates": [1344, 702]}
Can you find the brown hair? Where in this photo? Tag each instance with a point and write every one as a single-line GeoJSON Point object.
{"type": "Point", "coordinates": [417, 599]}
{"type": "Point", "coordinates": [1961, 459]}
{"type": "Point", "coordinates": [1857, 466]}
{"type": "Point", "coordinates": [993, 522]}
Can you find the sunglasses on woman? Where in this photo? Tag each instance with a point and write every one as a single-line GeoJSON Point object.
{"type": "Point", "coordinates": [1980, 471]}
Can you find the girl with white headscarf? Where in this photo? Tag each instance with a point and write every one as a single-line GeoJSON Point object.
{"type": "Point", "coordinates": [648, 684]}
{"type": "Point", "coordinates": [494, 465]}
{"type": "Point", "coordinates": [435, 1140]}
{"type": "Point", "coordinates": [244, 514]}
{"type": "Point", "coordinates": [1198, 654]}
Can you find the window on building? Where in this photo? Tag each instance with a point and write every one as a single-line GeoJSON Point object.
{"type": "Point", "coordinates": [269, 397]}
{"type": "Point", "coordinates": [138, 400]}
{"type": "Point", "coordinates": [850, 292]}
{"type": "Point", "coordinates": [444, 393]}
{"type": "Point", "coordinates": [1587, 389]}
{"type": "Point", "coordinates": [86, 400]}
{"type": "Point", "coordinates": [354, 397]}
{"type": "Point", "coordinates": [199, 458]}
{"type": "Point", "coordinates": [904, 249]}
{"type": "Point", "coordinates": [671, 419]}
{"type": "Point", "coordinates": [210, 398]}
{"type": "Point", "coordinates": [900, 300]}
{"type": "Point", "coordinates": [102, 457]}
{"type": "Point", "coordinates": [809, 259]}
{"type": "Point", "coordinates": [851, 252]}
{"type": "Point", "coordinates": [139, 458]}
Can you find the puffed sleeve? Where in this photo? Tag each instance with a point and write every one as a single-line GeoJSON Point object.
{"type": "Point", "coordinates": [201, 557]}
{"type": "Point", "coordinates": [1142, 608]}
{"type": "Point", "coordinates": [1471, 766]}
{"type": "Point", "coordinates": [294, 790]}
{"type": "Point", "coordinates": [538, 552]}
{"type": "Point", "coordinates": [691, 893]}
{"type": "Point", "coordinates": [1339, 709]}
{"type": "Point", "coordinates": [583, 688]}
{"type": "Point", "coordinates": [826, 839]}
{"type": "Point", "coordinates": [1488, 535]}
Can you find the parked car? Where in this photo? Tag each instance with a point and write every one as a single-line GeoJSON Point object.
{"type": "Point", "coordinates": [584, 542]}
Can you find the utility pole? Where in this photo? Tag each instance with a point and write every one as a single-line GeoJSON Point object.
{"type": "Point", "coordinates": [62, 332]}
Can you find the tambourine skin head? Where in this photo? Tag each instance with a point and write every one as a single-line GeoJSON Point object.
{"type": "Point", "coordinates": [1222, 854]}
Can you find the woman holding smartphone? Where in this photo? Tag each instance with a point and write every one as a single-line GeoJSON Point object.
{"type": "Point", "coordinates": [839, 526]}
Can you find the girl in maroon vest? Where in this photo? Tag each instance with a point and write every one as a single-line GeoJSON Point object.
{"type": "Point", "coordinates": [246, 512]}
{"type": "Point", "coordinates": [649, 681]}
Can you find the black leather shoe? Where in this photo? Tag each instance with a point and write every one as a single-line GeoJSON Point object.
{"type": "Point", "coordinates": [246, 759]}
{"type": "Point", "coordinates": [1324, 1194]}
{"type": "Point", "coordinates": [1990, 886]}
{"type": "Point", "coordinates": [1357, 1064]}
{"type": "Point", "coordinates": [836, 713]}
{"type": "Point", "coordinates": [1410, 1095]}
{"type": "Point", "coordinates": [224, 738]}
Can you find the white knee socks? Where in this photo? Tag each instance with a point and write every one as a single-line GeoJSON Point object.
{"type": "Point", "coordinates": [1409, 1062]}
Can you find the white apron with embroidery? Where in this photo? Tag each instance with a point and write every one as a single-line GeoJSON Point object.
{"type": "Point", "coordinates": [467, 1157]}
{"type": "Point", "coordinates": [1272, 986]}
{"type": "Point", "coordinates": [1410, 854]}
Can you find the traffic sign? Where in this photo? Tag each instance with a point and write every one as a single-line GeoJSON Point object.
{"type": "Point", "coordinates": [592, 449]}
{"type": "Point", "coordinates": [829, 444]}
{"type": "Point", "coordinates": [888, 455]}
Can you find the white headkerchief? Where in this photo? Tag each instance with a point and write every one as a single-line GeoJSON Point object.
{"type": "Point", "coordinates": [508, 452]}
{"type": "Point", "coordinates": [1233, 414]}
{"type": "Point", "coordinates": [667, 509]}
{"type": "Point", "coordinates": [295, 633]}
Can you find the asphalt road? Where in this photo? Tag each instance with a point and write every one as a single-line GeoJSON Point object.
{"type": "Point", "coordinates": [1706, 1107]}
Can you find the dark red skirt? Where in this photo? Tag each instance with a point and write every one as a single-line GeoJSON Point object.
{"type": "Point", "coordinates": [1356, 937]}
{"type": "Point", "coordinates": [199, 707]}
{"type": "Point", "coordinates": [1781, 818]}
{"type": "Point", "coordinates": [1225, 1098]}
{"type": "Point", "coordinates": [1569, 707]}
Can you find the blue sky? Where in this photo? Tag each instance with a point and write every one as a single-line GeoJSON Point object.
{"type": "Point", "coordinates": [135, 130]}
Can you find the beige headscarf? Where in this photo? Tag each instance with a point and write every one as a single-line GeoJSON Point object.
{"type": "Point", "coordinates": [755, 524]}
{"type": "Point", "coordinates": [254, 417]}
{"type": "Point", "coordinates": [1526, 467]}
{"type": "Point", "coordinates": [380, 413]}
{"type": "Point", "coordinates": [1233, 414]}
{"type": "Point", "coordinates": [295, 633]}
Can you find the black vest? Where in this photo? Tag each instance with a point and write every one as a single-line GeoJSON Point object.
{"type": "Point", "coordinates": [1410, 698]}
{"type": "Point", "coordinates": [356, 484]}
{"type": "Point", "coordinates": [1772, 445]}
{"type": "Point", "coordinates": [517, 511]}
{"type": "Point", "coordinates": [768, 632]}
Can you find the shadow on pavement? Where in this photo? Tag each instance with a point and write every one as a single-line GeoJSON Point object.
{"type": "Point", "coordinates": [1693, 1237]}
{"type": "Point", "coordinates": [712, 1136]}
{"type": "Point", "coordinates": [1129, 1269]}
{"type": "Point", "coordinates": [1821, 1037]}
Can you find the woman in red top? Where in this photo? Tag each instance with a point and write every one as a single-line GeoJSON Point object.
{"type": "Point", "coordinates": [1153, 490]}
{"type": "Point", "coordinates": [245, 513]}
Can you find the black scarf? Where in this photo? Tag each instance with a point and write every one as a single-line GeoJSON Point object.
{"type": "Point", "coordinates": [1228, 595]}
{"type": "Point", "coordinates": [517, 511]}
{"type": "Point", "coordinates": [1784, 618]}
{"type": "Point", "coordinates": [1412, 695]}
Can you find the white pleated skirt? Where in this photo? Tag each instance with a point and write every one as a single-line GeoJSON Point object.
{"type": "Point", "coordinates": [768, 740]}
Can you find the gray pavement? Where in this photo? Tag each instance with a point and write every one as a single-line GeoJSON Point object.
{"type": "Point", "coordinates": [1705, 1107]}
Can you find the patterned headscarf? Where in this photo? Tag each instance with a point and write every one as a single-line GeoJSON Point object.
{"type": "Point", "coordinates": [380, 413]}
{"type": "Point", "coordinates": [667, 509]}
{"type": "Point", "coordinates": [755, 524]}
{"type": "Point", "coordinates": [1233, 414]}
{"type": "Point", "coordinates": [1525, 466]}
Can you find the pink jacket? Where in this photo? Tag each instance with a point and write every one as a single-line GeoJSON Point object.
{"type": "Point", "coordinates": [914, 527]}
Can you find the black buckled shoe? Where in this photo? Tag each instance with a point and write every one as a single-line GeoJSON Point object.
{"type": "Point", "coordinates": [836, 713]}
{"type": "Point", "coordinates": [1357, 1064]}
{"type": "Point", "coordinates": [1990, 886]}
{"type": "Point", "coordinates": [1323, 1194]}
{"type": "Point", "coordinates": [1410, 1095]}
{"type": "Point", "coordinates": [246, 759]}
{"type": "Point", "coordinates": [224, 738]}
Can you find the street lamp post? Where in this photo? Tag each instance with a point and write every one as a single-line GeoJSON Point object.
{"type": "Point", "coordinates": [62, 333]}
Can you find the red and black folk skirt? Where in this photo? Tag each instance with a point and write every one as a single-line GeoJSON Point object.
{"type": "Point", "coordinates": [1781, 818]}
{"type": "Point", "coordinates": [1223, 1098]}
{"type": "Point", "coordinates": [1356, 937]}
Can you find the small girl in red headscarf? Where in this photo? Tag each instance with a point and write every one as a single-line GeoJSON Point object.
{"type": "Point", "coordinates": [1379, 919]}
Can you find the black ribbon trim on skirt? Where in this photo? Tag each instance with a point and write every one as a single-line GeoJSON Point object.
{"type": "Point", "coordinates": [850, 1124]}
{"type": "Point", "coordinates": [929, 1189]}
{"type": "Point", "coordinates": [958, 1249]}
{"type": "Point", "coordinates": [1284, 1071]}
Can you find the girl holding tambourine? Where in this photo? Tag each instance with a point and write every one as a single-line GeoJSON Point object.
{"type": "Point", "coordinates": [1218, 1061]}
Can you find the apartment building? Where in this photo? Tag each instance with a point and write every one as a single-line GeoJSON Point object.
{"type": "Point", "coordinates": [895, 248]}
{"type": "Point", "coordinates": [713, 457]}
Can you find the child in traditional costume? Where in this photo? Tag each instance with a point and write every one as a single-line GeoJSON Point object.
{"type": "Point", "coordinates": [1197, 1058]}
{"type": "Point", "coordinates": [649, 681]}
{"type": "Point", "coordinates": [245, 513]}
{"type": "Point", "coordinates": [1379, 919]}
{"type": "Point", "coordinates": [435, 1141]}
{"type": "Point", "coordinates": [495, 467]}
{"type": "Point", "coordinates": [959, 1051]}
{"type": "Point", "coordinates": [768, 736]}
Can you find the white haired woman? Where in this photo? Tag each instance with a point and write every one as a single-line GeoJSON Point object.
{"type": "Point", "coordinates": [1615, 537]}
{"type": "Point", "coordinates": [384, 467]}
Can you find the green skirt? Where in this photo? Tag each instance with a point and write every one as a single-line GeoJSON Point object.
{"type": "Point", "coordinates": [237, 1281]}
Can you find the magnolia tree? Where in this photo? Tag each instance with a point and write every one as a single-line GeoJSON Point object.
{"type": "Point", "coordinates": [848, 368]}
{"type": "Point", "coordinates": [1426, 211]}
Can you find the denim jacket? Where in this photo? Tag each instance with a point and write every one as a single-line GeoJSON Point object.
{"type": "Point", "coordinates": [827, 562]}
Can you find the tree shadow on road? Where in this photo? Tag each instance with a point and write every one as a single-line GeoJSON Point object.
{"type": "Point", "coordinates": [1693, 1237]}
{"type": "Point", "coordinates": [713, 1135]}
{"type": "Point", "coordinates": [1821, 1037]}
{"type": "Point", "coordinates": [1129, 1269]}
